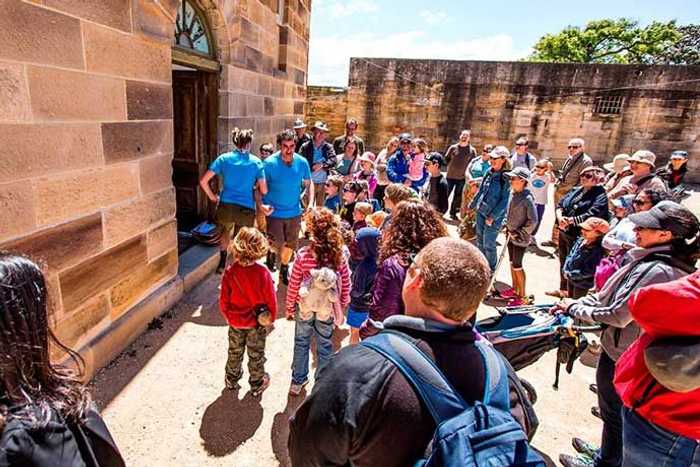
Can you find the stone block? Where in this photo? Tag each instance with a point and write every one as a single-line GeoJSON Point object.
{"type": "Point", "coordinates": [61, 246]}
{"type": "Point", "coordinates": [270, 108]}
{"type": "Point", "coordinates": [101, 272]}
{"type": "Point", "coordinates": [237, 105]}
{"type": "Point", "coordinates": [78, 325]}
{"type": "Point", "coordinates": [30, 33]}
{"type": "Point", "coordinates": [111, 52]}
{"type": "Point", "coordinates": [156, 173]}
{"type": "Point", "coordinates": [161, 239]}
{"type": "Point", "coordinates": [139, 281]}
{"type": "Point", "coordinates": [63, 147]}
{"type": "Point", "coordinates": [123, 141]}
{"type": "Point", "coordinates": [147, 101]}
{"type": "Point", "coordinates": [252, 58]}
{"type": "Point", "coordinates": [71, 194]}
{"type": "Point", "coordinates": [69, 95]}
{"type": "Point", "coordinates": [151, 21]}
{"type": "Point", "coordinates": [130, 219]}
{"type": "Point", "coordinates": [17, 215]}
{"type": "Point", "coordinates": [113, 13]}
{"type": "Point", "coordinates": [14, 95]}
{"type": "Point", "coordinates": [255, 106]}
{"type": "Point", "coordinates": [53, 298]}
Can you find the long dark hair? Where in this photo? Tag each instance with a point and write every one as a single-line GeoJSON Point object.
{"type": "Point", "coordinates": [413, 226]}
{"type": "Point", "coordinates": [686, 247]}
{"type": "Point", "coordinates": [27, 376]}
{"type": "Point", "coordinates": [326, 238]}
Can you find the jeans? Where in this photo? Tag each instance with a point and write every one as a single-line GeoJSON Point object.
{"type": "Point", "coordinates": [486, 236]}
{"type": "Point", "coordinates": [458, 186]}
{"type": "Point", "coordinates": [303, 330]}
{"type": "Point", "coordinates": [566, 241]}
{"type": "Point", "coordinates": [611, 410]}
{"type": "Point", "coordinates": [540, 213]}
{"type": "Point", "coordinates": [649, 445]}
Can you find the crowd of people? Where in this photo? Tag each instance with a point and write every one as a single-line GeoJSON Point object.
{"type": "Point", "coordinates": [377, 255]}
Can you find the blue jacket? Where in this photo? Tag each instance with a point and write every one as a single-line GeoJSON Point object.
{"type": "Point", "coordinates": [329, 157]}
{"type": "Point", "coordinates": [580, 265]}
{"type": "Point", "coordinates": [397, 168]}
{"type": "Point", "coordinates": [492, 198]}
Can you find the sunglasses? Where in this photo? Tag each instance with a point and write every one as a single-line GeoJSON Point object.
{"type": "Point", "coordinates": [520, 145]}
{"type": "Point", "coordinates": [639, 202]}
{"type": "Point", "coordinates": [573, 147]}
{"type": "Point", "coordinates": [587, 175]}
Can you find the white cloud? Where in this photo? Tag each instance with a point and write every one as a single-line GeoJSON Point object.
{"type": "Point", "coordinates": [340, 8]}
{"type": "Point", "coordinates": [433, 18]}
{"type": "Point", "coordinates": [329, 57]}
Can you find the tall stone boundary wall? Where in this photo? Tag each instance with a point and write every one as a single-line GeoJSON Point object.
{"type": "Point", "coordinates": [86, 133]}
{"type": "Point", "coordinates": [329, 105]}
{"type": "Point", "coordinates": [549, 103]}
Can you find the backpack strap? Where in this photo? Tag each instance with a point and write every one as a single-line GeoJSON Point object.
{"type": "Point", "coordinates": [496, 387]}
{"type": "Point", "coordinates": [427, 380]}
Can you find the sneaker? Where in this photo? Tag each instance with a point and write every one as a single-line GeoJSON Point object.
{"type": "Point", "coordinates": [507, 293]}
{"type": "Point", "coordinates": [232, 385]}
{"type": "Point", "coordinates": [295, 389]}
{"type": "Point", "coordinates": [593, 388]}
{"type": "Point", "coordinates": [584, 447]}
{"type": "Point", "coordinates": [284, 274]}
{"type": "Point", "coordinates": [575, 461]}
{"type": "Point", "coordinates": [265, 384]}
{"type": "Point", "coordinates": [595, 411]}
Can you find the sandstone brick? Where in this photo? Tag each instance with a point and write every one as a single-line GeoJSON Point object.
{"type": "Point", "coordinates": [123, 141]}
{"type": "Point", "coordinates": [156, 173]}
{"type": "Point", "coordinates": [161, 239]}
{"type": "Point", "coordinates": [53, 297]}
{"type": "Point", "coordinates": [74, 328]}
{"type": "Point", "coordinates": [112, 13]}
{"type": "Point", "coordinates": [128, 220]}
{"type": "Point", "coordinates": [14, 95]}
{"type": "Point", "coordinates": [69, 95]}
{"type": "Point", "coordinates": [99, 273]}
{"type": "Point", "coordinates": [146, 101]}
{"type": "Point", "coordinates": [139, 281]}
{"type": "Point", "coordinates": [62, 246]}
{"type": "Point", "coordinates": [71, 194]}
{"type": "Point", "coordinates": [40, 149]}
{"type": "Point", "coordinates": [115, 53]}
{"type": "Point", "coordinates": [255, 106]}
{"type": "Point", "coordinates": [30, 33]}
{"type": "Point", "coordinates": [16, 209]}
{"type": "Point", "coordinates": [237, 105]}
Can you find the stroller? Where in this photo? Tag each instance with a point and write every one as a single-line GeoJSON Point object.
{"type": "Point", "coordinates": [524, 333]}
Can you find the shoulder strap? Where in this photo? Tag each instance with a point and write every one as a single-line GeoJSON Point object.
{"type": "Point", "coordinates": [496, 388]}
{"type": "Point", "coordinates": [645, 179]}
{"type": "Point", "coordinates": [427, 380]}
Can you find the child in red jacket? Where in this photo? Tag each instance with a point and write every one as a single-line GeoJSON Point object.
{"type": "Point", "coordinates": [249, 304]}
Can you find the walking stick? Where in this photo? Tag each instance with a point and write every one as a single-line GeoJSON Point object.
{"type": "Point", "coordinates": [498, 265]}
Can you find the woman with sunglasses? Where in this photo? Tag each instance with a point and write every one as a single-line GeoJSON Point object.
{"type": "Point", "coordinates": [667, 247]}
{"type": "Point", "coordinates": [46, 415]}
{"type": "Point", "coordinates": [583, 202]}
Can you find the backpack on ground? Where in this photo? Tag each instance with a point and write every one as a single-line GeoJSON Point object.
{"type": "Point", "coordinates": [482, 434]}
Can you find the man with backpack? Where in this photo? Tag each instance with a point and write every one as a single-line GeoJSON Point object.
{"type": "Point", "coordinates": [522, 157]}
{"type": "Point", "coordinates": [366, 411]}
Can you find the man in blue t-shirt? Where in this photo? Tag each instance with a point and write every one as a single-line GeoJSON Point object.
{"type": "Point", "coordinates": [242, 174]}
{"type": "Point", "coordinates": [287, 175]}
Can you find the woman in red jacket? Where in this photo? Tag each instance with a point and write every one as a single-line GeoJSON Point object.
{"type": "Point", "coordinates": [657, 378]}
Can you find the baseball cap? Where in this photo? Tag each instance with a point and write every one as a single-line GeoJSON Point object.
{"type": "Point", "coordinates": [679, 155]}
{"type": "Point", "coordinates": [668, 215]}
{"type": "Point", "coordinates": [500, 152]}
{"type": "Point", "coordinates": [596, 224]}
{"type": "Point", "coordinates": [520, 172]}
{"type": "Point", "coordinates": [405, 137]}
{"type": "Point", "coordinates": [435, 157]}
{"type": "Point", "coordinates": [624, 202]}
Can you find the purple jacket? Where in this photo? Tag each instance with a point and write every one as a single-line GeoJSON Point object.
{"type": "Point", "coordinates": [386, 294]}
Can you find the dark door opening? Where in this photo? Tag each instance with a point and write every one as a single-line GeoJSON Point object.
{"type": "Point", "coordinates": [194, 124]}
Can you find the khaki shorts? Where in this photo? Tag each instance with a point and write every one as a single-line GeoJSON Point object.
{"type": "Point", "coordinates": [232, 217]}
{"type": "Point", "coordinates": [284, 232]}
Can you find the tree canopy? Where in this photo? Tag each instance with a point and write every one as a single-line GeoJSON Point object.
{"type": "Point", "coordinates": [621, 41]}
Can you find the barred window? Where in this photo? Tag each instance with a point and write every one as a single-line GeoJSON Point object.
{"type": "Point", "coordinates": [608, 105]}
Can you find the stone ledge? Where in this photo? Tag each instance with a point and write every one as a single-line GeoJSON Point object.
{"type": "Point", "coordinates": [197, 263]}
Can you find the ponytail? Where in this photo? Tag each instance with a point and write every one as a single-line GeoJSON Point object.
{"type": "Point", "coordinates": [241, 138]}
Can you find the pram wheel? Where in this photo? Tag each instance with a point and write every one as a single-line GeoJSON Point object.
{"type": "Point", "coordinates": [530, 389]}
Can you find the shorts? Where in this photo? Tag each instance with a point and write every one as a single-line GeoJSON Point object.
{"type": "Point", "coordinates": [284, 232]}
{"type": "Point", "coordinates": [356, 318]}
{"type": "Point", "coordinates": [234, 216]}
{"type": "Point", "coordinates": [516, 253]}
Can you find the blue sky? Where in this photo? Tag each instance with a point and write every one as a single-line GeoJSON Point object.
{"type": "Point", "coordinates": [461, 30]}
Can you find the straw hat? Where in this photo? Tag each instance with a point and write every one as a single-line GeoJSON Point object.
{"type": "Point", "coordinates": [618, 164]}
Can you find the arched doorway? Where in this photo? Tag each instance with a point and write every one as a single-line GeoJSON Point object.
{"type": "Point", "coordinates": [195, 111]}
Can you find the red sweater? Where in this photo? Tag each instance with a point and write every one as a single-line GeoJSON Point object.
{"type": "Point", "coordinates": [242, 288]}
{"type": "Point", "coordinates": [662, 310]}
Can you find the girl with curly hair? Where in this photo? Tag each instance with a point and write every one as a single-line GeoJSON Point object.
{"type": "Point", "coordinates": [46, 415]}
{"type": "Point", "coordinates": [414, 225]}
{"type": "Point", "coordinates": [318, 291]}
{"type": "Point", "coordinates": [247, 291]}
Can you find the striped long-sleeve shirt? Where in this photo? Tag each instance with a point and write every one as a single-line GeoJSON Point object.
{"type": "Point", "coordinates": [304, 263]}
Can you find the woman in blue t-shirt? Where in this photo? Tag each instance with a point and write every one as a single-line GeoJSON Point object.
{"type": "Point", "coordinates": [242, 174]}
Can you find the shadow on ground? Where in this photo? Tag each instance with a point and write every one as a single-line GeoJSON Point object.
{"type": "Point", "coordinates": [229, 422]}
{"type": "Point", "coordinates": [280, 428]}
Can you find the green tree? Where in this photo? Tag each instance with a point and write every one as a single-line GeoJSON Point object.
{"type": "Point", "coordinates": [686, 51]}
{"type": "Point", "coordinates": [611, 41]}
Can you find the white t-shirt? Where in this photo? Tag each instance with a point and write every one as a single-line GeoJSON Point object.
{"type": "Point", "coordinates": [539, 185]}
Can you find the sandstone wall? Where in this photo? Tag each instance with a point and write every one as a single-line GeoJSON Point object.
{"type": "Point", "coordinates": [328, 104]}
{"type": "Point", "coordinates": [550, 103]}
{"type": "Point", "coordinates": [86, 133]}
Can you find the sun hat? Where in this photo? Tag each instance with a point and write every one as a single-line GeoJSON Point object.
{"type": "Point", "coordinates": [500, 152]}
{"type": "Point", "coordinates": [667, 215]}
{"type": "Point", "coordinates": [368, 156]}
{"type": "Point", "coordinates": [520, 172]}
{"type": "Point", "coordinates": [596, 224]}
{"type": "Point", "coordinates": [618, 164]}
{"type": "Point", "coordinates": [644, 157]}
{"type": "Point", "coordinates": [592, 168]}
{"type": "Point", "coordinates": [299, 123]}
{"type": "Point", "coordinates": [319, 125]}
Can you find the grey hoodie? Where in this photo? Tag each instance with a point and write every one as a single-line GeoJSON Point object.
{"type": "Point", "coordinates": [522, 217]}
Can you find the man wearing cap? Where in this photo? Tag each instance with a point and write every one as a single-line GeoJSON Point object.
{"type": "Point", "coordinates": [350, 129]}
{"type": "Point", "coordinates": [397, 165]}
{"type": "Point", "coordinates": [569, 176]}
{"type": "Point", "coordinates": [302, 136]}
{"type": "Point", "coordinates": [642, 178]}
{"type": "Point", "coordinates": [676, 169]}
{"type": "Point", "coordinates": [457, 158]}
{"type": "Point", "coordinates": [437, 189]}
{"type": "Point", "coordinates": [522, 157]}
{"type": "Point", "coordinates": [618, 169]}
{"type": "Point", "coordinates": [321, 158]}
{"type": "Point", "coordinates": [491, 203]}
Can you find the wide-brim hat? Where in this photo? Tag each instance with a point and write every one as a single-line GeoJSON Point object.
{"type": "Point", "coordinates": [618, 164]}
{"type": "Point", "coordinates": [299, 123]}
{"type": "Point", "coordinates": [592, 168]}
{"type": "Point", "coordinates": [519, 172]}
{"type": "Point", "coordinates": [500, 152]}
{"type": "Point", "coordinates": [367, 157]}
{"type": "Point", "coordinates": [319, 125]}
{"type": "Point", "coordinates": [643, 157]}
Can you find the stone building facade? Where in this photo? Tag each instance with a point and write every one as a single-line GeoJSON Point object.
{"type": "Point", "coordinates": [616, 108]}
{"type": "Point", "coordinates": [106, 123]}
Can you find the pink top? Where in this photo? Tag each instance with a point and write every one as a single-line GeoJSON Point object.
{"type": "Point", "coordinates": [415, 167]}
